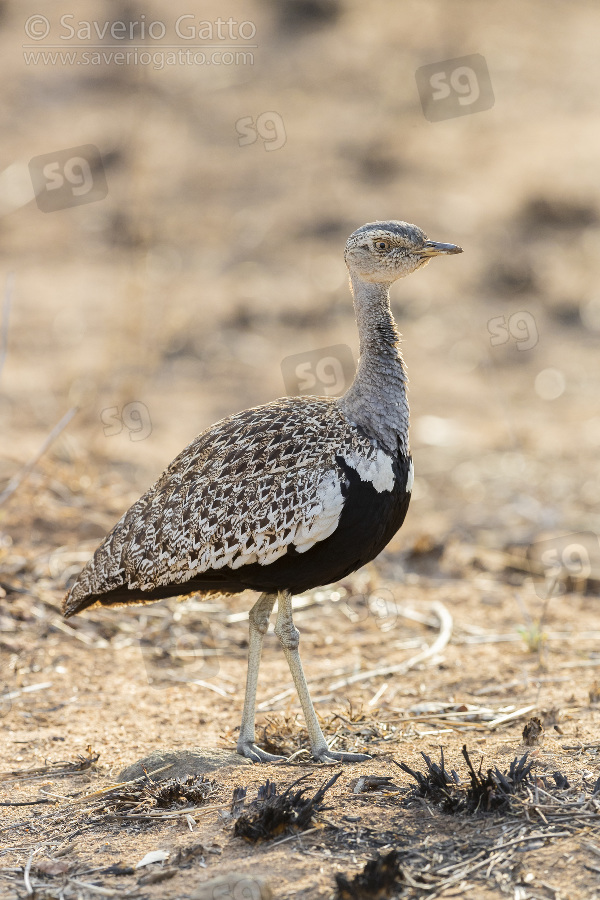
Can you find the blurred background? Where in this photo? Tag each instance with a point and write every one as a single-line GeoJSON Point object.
{"type": "Point", "coordinates": [175, 196]}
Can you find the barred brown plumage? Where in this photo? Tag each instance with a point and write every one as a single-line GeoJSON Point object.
{"type": "Point", "coordinates": [241, 492]}
{"type": "Point", "coordinates": [283, 497]}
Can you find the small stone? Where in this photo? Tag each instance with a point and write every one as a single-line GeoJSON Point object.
{"type": "Point", "coordinates": [52, 866]}
{"type": "Point", "coordinates": [197, 761]}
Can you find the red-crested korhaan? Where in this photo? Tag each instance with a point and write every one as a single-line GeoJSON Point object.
{"type": "Point", "coordinates": [284, 497]}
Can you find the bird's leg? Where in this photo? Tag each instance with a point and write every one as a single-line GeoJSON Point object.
{"type": "Point", "coordinates": [259, 624]}
{"type": "Point", "coordinates": [289, 637]}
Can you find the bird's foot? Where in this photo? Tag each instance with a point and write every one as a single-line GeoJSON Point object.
{"type": "Point", "coordinates": [330, 757]}
{"type": "Point", "coordinates": [251, 751]}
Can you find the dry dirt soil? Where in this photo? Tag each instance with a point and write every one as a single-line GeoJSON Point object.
{"type": "Point", "coordinates": [168, 296]}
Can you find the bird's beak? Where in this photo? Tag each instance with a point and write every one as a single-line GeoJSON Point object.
{"type": "Point", "coordinates": [434, 248]}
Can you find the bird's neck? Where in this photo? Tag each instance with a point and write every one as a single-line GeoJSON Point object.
{"type": "Point", "coordinates": [376, 399]}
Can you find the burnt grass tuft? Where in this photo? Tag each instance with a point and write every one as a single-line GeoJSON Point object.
{"type": "Point", "coordinates": [381, 878]}
{"type": "Point", "coordinates": [492, 791]}
{"type": "Point", "coordinates": [191, 790]}
{"type": "Point", "coordinates": [273, 815]}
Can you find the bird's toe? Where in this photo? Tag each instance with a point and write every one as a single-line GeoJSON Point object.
{"type": "Point", "coordinates": [331, 757]}
{"type": "Point", "coordinates": [251, 751]}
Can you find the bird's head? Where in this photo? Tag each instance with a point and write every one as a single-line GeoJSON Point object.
{"type": "Point", "coordinates": [381, 252]}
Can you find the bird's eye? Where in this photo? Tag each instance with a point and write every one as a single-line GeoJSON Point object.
{"type": "Point", "coordinates": [382, 245]}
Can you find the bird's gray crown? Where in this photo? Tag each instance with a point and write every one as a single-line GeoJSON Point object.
{"type": "Point", "coordinates": [410, 233]}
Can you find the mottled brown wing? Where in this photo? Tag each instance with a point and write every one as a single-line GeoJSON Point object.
{"type": "Point", "coordinates": [240, 493]}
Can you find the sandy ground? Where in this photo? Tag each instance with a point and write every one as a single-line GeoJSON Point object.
{"type": "Point", "coordinates": [210, 254]}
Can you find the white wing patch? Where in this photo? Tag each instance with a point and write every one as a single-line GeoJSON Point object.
{"type": "Point", "coordinates": [324, 518]}
{"type": "Point", "coordinates": [410, 480]}
{"type": "Point", "coordinates": [314, 520]}
{"type": "Point", "coordinates": [378, 469]}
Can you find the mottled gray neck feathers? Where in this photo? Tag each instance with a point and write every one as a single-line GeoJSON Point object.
{"type": "Point", "coordinates": [376, 399]}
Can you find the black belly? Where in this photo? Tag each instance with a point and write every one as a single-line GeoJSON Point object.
{"type": "Point", "coordinates": [368, 522]}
